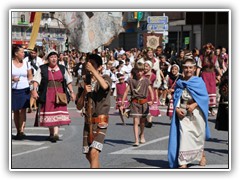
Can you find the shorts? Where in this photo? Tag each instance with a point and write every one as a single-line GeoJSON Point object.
{"type": "Point", "coordinates": [99, 134]}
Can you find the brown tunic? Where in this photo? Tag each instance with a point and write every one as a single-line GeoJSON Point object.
{"type": "Point", "coordinates": [101, 98]}
{"type": "Point", "coordinates": [139, 90]}
{"type": "Point", "coordinates": [101, 106]}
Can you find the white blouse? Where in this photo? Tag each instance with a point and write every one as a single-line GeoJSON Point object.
{"type": "Point", "coordinates": [21, 73]}
{"type": "Point", "coordinates": [38, 76]}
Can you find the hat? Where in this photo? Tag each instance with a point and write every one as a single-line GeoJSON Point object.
{"type": "Point", "coordinates": [149, 63]}
{"type": "Point", "coordinates": [52, 52]}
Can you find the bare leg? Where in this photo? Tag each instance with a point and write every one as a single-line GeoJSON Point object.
{"type": "Point", "coordinates": [121, 116]}
{"type": "Point", "coordinates": [31, 104]}
{"type": "Point", "coordinates": [135, 129]}
{"type": "Point", "coordinates": [94, 158]}
{"type": "Point", "coordinates": [142, 125]}
{"type": "Point", "coordinates": [16, 117]}
{"type": "Point", "coordinates": [164, 95]}
{"type": "Point", "coordinates": [22, 119]}
{"type": "Point", "coordinates": [35, 104]}
{"type": "Point", "coordinates": [55, 130]}
{"type": "Point", "coordinates": [203, 161]}
{"type": "Point", "coordinates": [149, 122]}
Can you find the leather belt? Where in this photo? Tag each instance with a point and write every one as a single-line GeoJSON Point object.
{"type": "Point", "coordinates": [57, 83]}
{"type": "Point", "coordinates": [100, 119]}
{"type": "Point", "coordinates": [140, 101]}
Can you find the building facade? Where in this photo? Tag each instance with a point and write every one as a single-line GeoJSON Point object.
{"type": "Point", "coordinates": [52, 33]}
{"type": "Point", "coordinates": [186, 30]}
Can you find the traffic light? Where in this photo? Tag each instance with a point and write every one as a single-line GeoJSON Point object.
{"type": "Point", "coordinates": [139, 15]}
{"type": "Point", "coordinates": [135, 15]}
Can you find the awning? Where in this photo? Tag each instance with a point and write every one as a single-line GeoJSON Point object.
{"type": "Point", "coordinates": [20, 42]}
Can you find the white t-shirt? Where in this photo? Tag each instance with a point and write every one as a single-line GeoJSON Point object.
{"type": "Point", "coordinates": [22, 74]}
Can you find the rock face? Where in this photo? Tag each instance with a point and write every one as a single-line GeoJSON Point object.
{"type": "Point", "coordinates": [89, 30]}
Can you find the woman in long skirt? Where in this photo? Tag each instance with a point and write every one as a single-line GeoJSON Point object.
{"type": "Point", "coordinates": [189, 125]}
{"type": "Point", "coordinates": [50, 79]}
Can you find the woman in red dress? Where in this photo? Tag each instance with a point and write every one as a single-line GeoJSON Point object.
{"type": "Point", "coordinates": [153, 109]}
{"type": "Point", "coordinates": [121, 86]}
{"type": "Point", "coordinates": [207, 64]}
{"type": "Point", "coordinates": [49, 79]}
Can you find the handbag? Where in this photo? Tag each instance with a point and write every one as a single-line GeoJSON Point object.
{"type": "Point", "coordinates": [61, 98]}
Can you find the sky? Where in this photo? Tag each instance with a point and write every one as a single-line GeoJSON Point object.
{"type": "Point", "coordinates": [110, 4]}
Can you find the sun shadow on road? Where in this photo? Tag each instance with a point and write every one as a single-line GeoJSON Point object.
{"type": "Point", "coordinates": [161, 123]}
{"type": "Point", "coordinates": [116, 141]}
{"type": "Point", "coordinates": [220, 152]}
{"type": "Point", "coordinates": [33, 138]}
{"type": "Point", "coordinates": [153, 163]}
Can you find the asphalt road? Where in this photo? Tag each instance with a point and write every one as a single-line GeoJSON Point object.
{"type": "Point", "coordinates": [35, 152]}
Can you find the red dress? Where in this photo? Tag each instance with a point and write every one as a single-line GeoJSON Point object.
{"type": "Point", "coordinates": [153, 109]}
{"type": "Point", "coordinates": [171, 85]}
{"type": "Point", "coordinates": [121, 87]}
{"type": "Point", "coordinates": [52, 114]}
{"type": "Point", "coordinates": [209, 77]}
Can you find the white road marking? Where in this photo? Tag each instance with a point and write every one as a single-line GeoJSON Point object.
{"type": "Point", "coordinates": [211, 166]}
{"type": "Point", "coordinates": [38, 128]}
{"type": "Point", "coordinates": [40, 134]}
{"type": "Point", "coordinates": [28, 143]}
{"type": "Point", "coordinates": [132, 150]}
{"type": "Point", "coordinates": [219, 167]}
{"type": "Point", "coordinates": [146, 152]}
{"type": "Point", "coordinates": [27, 152]}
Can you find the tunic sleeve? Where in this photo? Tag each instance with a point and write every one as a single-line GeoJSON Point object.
{"type": "Point", "coordinates": [37, 77]}
{"type": "Point", "coordinates": [199, 63]}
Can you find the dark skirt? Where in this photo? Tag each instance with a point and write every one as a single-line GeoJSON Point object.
{"type": "Point", "coordinates": [20, 99]}
{"type": "Point", "coordinates": [222, 119]}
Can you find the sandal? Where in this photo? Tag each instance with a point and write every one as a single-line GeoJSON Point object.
{"type": "Point", "coordinates": [136, 144]}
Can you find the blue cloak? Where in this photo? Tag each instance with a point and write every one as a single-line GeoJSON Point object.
{"type": "Point", "coordinates": [197, 88]}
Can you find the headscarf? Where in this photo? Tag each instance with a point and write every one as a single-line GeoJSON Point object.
{"type": "Point", "coordinates": [149, 63]}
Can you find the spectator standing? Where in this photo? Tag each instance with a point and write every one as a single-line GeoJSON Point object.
{"type": "Point", "coordinates": [21, 76]}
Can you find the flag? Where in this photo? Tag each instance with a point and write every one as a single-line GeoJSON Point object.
{"type": "Point", "coordinates": [32, 15]}
{"type": "Point", "coordinates": [35, 29]}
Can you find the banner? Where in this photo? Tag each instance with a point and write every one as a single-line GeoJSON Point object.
{"type": "Point", "coordinates": [35, 29]}
{"type": "Point", "coordinates": [89, 30]}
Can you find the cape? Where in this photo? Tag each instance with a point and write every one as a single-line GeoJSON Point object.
{"type": "Point", "coordinates": [197, 88]}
